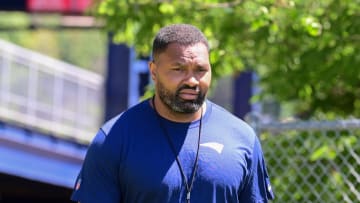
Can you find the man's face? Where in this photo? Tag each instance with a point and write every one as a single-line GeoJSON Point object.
{"type": "Point", "coordinates": [182, 76]}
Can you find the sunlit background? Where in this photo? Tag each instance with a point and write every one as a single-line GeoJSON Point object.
{"type": "Point", "coordinates": [288, 68]}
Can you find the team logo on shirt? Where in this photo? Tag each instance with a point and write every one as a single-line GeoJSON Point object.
{"type": "Point", "coordinates": [269, 187]}
{"type": "Point", "coordinates": [78, 183]}
{"type": "Point", "coordinates": [218, 147]}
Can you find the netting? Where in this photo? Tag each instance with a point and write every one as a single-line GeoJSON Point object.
{"type": "Point", "coordinates": [313, 161]}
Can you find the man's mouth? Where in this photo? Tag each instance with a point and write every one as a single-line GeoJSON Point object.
{"type": "Point", "coordinates": [188, 94]}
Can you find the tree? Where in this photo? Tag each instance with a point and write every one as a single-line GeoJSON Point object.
{"type": "Point", "coordinates": [305, 52]}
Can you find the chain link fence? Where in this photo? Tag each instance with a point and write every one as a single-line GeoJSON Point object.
{"type": "Point", "coordinates": [314, 161]}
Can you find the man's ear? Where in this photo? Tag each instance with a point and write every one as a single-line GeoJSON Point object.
{"type": "Point", "coordinates": [152, 69]}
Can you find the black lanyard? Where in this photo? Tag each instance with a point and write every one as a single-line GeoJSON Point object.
{"type": "Point", "coordinates": [188, 187]}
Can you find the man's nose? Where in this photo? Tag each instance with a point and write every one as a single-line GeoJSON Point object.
{"type": "Point", "coordinates": [191, 80]}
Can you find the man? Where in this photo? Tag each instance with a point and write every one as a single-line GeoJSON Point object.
{"type": "Point", "coordinates": [177, 146]}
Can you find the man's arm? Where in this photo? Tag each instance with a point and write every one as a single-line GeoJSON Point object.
{"type": "Point", "coordinates": [97, 180]}
{"type": "Point", "coordinates": [257, 187]}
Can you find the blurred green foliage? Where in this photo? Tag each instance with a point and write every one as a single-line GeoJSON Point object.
{"type": "Point", "coordinates": [305, 52]}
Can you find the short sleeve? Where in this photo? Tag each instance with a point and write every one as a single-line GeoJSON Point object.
{"type": "Point", "coordinates": [257, 188]}
{"type": "Point", "coordinates": [98, 179]}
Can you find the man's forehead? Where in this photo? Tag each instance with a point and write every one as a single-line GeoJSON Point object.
{"type": "Point", "coordinates": [182, 54]}
{"type": "Point", "coordinates": [176, 49]}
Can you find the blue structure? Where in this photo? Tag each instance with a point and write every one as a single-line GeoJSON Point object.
{"type": "Point", "coordinates": [39, 157]}
{"type": "Point", "coordinates": [36, 167]}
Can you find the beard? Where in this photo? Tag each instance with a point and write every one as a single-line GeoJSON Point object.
{"type": "Point", "coordinates": [176, 103]}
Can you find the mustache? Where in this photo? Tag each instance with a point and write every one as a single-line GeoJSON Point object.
{"type": "Point", "coordinates": [196, 88]}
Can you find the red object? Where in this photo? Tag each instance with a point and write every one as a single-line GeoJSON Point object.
{"type": "Point", "coordinates": [58, 6]}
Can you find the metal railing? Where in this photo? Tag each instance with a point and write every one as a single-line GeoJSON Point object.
{"type": "Point", "coordinates": [42, 93]}
{"type": "Point", "coordinates": [313, 161]}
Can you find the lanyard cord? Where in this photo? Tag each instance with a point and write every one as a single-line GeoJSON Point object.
{"type": "Point", "coordinates": [188, 187]}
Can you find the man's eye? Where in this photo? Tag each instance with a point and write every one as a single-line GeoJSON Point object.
{"type": "Point", "coordinates": [202, 70]}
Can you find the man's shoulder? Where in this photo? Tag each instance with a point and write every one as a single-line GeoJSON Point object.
{"type": "Point", "coordinates": [222, 114]}
{"type": "Point", "coordinates": [126, 117]}
{"type": "Point", "coordinates": [106, 128]}
{"type": "Point", "coordinates": [227, 120]}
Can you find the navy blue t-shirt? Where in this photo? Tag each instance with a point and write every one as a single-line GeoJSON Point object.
{"type": "Point", "coordinates": [130, 160]}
